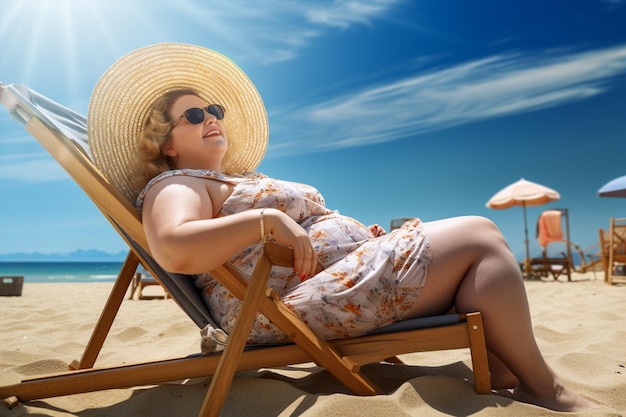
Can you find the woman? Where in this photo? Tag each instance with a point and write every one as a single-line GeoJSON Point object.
{"type": "Point", "coordinates": [201, 130]}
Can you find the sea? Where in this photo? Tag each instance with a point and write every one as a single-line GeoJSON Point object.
{"type": "Point", "coordinates": [37, 272]}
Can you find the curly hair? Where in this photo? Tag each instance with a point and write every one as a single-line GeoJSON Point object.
{"type": "Point", "coordinates": [150, 160]}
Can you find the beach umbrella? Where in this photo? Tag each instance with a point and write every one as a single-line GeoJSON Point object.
{"type": "Point", "coordinates": [523, 193]}
{"type": "Point", "coordinates": [614, 188]}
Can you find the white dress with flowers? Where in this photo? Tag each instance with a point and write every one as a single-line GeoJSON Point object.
{"type": "Point", "coordinates": [368, 282]}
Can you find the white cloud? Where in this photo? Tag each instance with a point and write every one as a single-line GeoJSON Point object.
{"type": "Point", "coordinates": [492, 87]}
{"type": "Point", "coordinates": [273, 31]}
{"type": "Point", "coordinates": [27, 168]}
{"type": "Point", "coordinates": [343, 14]}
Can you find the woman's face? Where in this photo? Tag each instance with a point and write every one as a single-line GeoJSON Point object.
{"type": "Point", "coordinates": [195, 146]}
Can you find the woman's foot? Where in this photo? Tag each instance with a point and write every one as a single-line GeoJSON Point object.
{"type": "Point", "coordinates": [560, 399]}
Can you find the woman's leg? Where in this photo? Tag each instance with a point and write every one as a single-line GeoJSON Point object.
{"type": "Point", "coordinates": [474, 270]}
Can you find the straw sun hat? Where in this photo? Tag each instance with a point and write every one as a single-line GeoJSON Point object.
{"type": "Point", "coordinates": [122, 98]}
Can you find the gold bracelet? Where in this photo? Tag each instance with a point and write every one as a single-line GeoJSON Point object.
{"type": "Point", "coordinates": [263, 239]}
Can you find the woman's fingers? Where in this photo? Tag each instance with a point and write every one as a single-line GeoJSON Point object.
{"type": "Point", "coordinates": [289, 233]}
{"type": "Point", "coordinates": [305, 260]}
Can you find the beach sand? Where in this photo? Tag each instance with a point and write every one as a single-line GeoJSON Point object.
{"type": "Point", "coordinates": [580, 326]}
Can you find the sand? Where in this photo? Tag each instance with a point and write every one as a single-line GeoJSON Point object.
{"type": "Point", "coordinates": [580, 327]}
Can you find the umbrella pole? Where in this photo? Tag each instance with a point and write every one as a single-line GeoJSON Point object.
{"type": "Point", "coordinates": [527, 260]}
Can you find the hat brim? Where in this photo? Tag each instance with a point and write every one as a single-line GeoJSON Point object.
{"type": "Point", "coordinates": [122, 98]}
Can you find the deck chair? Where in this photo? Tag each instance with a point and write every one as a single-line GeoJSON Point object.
{"type": "Point", "coordinates": [603, 238]}
{"type": "Point", "coordinates": [397, 223]}
{"type": "Point", "coordinates": [63, 133]}
{"type": "Point", "coordinates": [141, 280]}
{"type": "Point", "coordinates": [550, 231]}
{"type": "Point", "coordinates": [614, 242]}
{"type": "Point", "coordinates": [591, 258]}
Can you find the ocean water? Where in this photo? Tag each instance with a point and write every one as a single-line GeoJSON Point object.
{"type": "Point", "coordinates": [34, 272]}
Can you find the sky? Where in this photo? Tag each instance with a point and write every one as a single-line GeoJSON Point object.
{"type": "Point", "coordinates": [391, 108]}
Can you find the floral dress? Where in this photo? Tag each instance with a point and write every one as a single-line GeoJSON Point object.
{"type": "Point", "coordinates": [367, 282]}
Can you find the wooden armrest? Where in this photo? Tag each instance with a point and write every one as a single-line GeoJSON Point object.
{"type": "Point", "coordinates": [283, 256]}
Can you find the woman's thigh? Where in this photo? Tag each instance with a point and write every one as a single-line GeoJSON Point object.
{"type": "Point", "coordinates": [457, 245]}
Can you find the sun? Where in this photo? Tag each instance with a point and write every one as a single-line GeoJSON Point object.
{"type": "Point", "coordinates": [57, 42]}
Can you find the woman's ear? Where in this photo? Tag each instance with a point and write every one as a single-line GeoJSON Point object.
{"type": "Point", "coordinates": [169, 150]}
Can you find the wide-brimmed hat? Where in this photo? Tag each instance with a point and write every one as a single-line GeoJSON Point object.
{"type": "Point", "coordinates": [123, 96]}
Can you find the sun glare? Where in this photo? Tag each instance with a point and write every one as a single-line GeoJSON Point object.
{"type": "Point", "coordinates": [56, 42]}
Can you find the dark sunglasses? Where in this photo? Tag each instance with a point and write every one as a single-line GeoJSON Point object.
{"type": "Point", "coordinates": [195, 115]}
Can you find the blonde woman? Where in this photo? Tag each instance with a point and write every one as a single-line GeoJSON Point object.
{"type": "Point", "coordinates": [180, 130]}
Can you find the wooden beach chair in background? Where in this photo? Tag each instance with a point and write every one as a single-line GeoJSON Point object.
{"type": "Point", "coordinates": [553, 228]}
{"type": "Point", "coordinates": [397, 223]}
{"type": "Point", "coordinates": [603, 236]}
{"type": "Point", "coordinates": [591, 258]}
{"type": "Point", "coordinates": [614, 242]}
{"type": "Point", "coordinates": [550, 231]}
{"type": "Point", "coordinates": [143, 279]}
{"type": "Point", "coordinates": [62, 133]}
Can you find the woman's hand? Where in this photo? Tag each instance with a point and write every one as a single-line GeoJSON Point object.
{"type": "Point", "coordinates": [377, 230]}
{"type": "Point", "coordinates": [289, 233]}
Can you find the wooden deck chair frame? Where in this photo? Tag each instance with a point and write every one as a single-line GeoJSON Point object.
{"type": "Point", "coordinates": [591, 258]}
{"type": "Point", "coordinates": [616, 251]}
{"type": "Point", "coordinates": [603, 236]}
{"type": "Point", "coordinates": [342, 358]}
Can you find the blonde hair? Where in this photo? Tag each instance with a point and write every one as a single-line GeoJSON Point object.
{"type": "Point", "coordinates": [150, 160]}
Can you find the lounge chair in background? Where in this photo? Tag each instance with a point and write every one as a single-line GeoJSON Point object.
{"type": "Point", "coordinates": [603, 238]}
{"type": "Point", "coordinates": [142, 279]}
{"type": "Point", "coordinates": [591, 258]}
{"type": "Point", "coordinates": [615, 244]}
{"type": "Point", "coordinates": [550, 231]}
{"type": "Point", "coordinates": [397, 223]}
{"type": "Point", "coordinates": [63, 133]}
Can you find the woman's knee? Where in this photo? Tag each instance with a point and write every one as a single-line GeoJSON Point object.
{"type": "Point", "coordinates": [463, 241]}
{"type": "Point", "coordinates": [482, 223]}
{"type": "Point", "coordinates": [492, 248]}
{"type": "Point", "coordinates": [459, 242]}
{"type": "Point", "coordinates": [478, 229]}
{"type": "Point", "coordinates": [485, 230]}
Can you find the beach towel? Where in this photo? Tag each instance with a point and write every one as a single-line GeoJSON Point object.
{"type": "Point", "coordinates": [550, 227]}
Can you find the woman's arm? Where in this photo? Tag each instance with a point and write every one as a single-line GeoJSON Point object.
{"type": "Point", "coordinates": [185, 238]}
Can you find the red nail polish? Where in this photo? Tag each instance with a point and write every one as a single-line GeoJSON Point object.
{"type": "Point", "coordinates": [302, 277]}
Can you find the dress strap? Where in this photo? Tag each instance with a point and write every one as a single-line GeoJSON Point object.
{"type": "Point", "coordinates": [198, 173]}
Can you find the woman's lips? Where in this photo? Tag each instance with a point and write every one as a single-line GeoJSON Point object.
{"type": "Point", "coordinates": [212, 132]}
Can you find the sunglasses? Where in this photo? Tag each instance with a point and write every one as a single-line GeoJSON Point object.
{"type": "Point", "coordinates": [195, 115]}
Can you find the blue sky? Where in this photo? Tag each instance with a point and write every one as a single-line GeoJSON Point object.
{"type": "Point", "coordinates": [390, 108]}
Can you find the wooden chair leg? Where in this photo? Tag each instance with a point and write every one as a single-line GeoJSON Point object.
{"type": "Point", "coordinates": [108, 314]}
{"type": "Point", "coordinates": [220, 384]}
{"type": "Point", "coordinates": [319, 350]}
{"type": "Point", "coordinates": [257, 297]}
{"type": "Point", "coordinates": [478, 350]}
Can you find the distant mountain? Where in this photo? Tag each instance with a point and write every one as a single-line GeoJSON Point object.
{"type": "Point", "coordinates": [89, 255]}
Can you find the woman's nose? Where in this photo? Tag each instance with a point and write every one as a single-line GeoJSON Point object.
{"type": "Point", "coordinates": [208, 117]}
